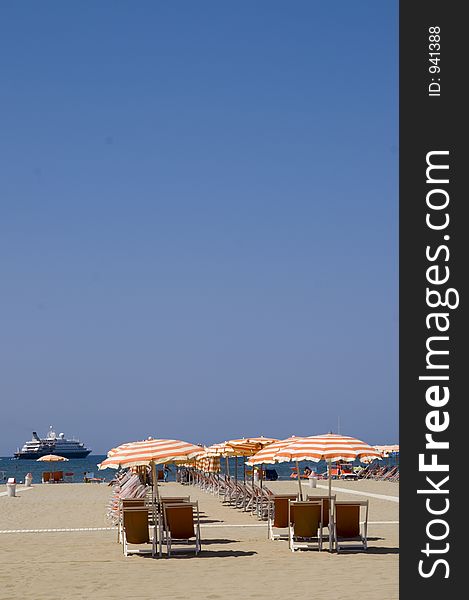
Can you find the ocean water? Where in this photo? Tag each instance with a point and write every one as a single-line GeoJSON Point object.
{"type": "Point", "coordinates": [10, 467]}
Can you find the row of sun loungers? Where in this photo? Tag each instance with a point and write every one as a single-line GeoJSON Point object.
{"type": "Point", "coordinates": [53, 477]}
{"type": "Point", "coordinates": [171, 521]}
{"type": "Point", "coordinates": [380, 473]}
{"type": "Point", "coordinates": [303, 521]}
{"type": "Point", "coordinates": [126, 486]}
{"type": "Point", "coordinates": [346, 522]}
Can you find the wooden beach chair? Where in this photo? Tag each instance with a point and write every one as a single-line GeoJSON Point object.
{"type": "Point", "coordinates": [123, 504]}
{"type": "Point", "coordinates": [46, 476]}
{"type": "Point", "coordinates": [277, 517]}
{"type": "Point", "coordinates": [182, 524]}
{"type": "Point", "coordinates": [58, 476]}
{"type": "Point", "coordinates": [349, 533]}
{"type": "Point", "coordinates": [136, 530]}
{"type": "Point", "coordinates": [325, 507]}
{"type": "Point", "coordinates": [305, 525]}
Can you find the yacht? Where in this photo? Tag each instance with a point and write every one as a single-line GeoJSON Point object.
{"type": "Point", "coordinates": [52, 444]}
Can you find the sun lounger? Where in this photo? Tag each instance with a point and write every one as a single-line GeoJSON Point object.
{"type": "Point", "coordinates": [278, 515]}
{"type": "Point", "coordinates": [305, 525]}
{"type": "Point", "coordinates": [179, 524]}
{"type": "Point", "coordinates": [327, 511]}
{"type": "Point", "coordinates": [136, 530]}
{"type": "Point", "coordinates": [348, 532]}
{"type": "Point", "coordinates": [58, 476]}
{"type": "Point", "coordinates": [174, 499]}
{"type": "Point", "coordinates": [127, 503]}
{"type": "Point", "coordinates": [46, 477]}
{"type": "Point", "coordinates": [325, 504]}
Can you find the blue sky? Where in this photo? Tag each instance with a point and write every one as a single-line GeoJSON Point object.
{"type": "Point", "coordinates": [198, 219]}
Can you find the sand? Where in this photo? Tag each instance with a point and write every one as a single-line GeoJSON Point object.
{"type": "Point", "coordinates": [237, 559]}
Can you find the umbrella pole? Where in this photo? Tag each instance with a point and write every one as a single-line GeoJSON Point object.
{"type": "Point", "coordinates": [227, 468]}
{"type": "Point", "coordinates": [236, 469]}
{"type": "Point", "coordinates": [244, 471]}
{"type": "Point", "coordinates": [156, 513]}
{"type": "Point", "coordinates": [329, 465]}
{"type": "Point", "coordinates": [262, 471]}
{"type": "Point", "coordinates": [299, 479]}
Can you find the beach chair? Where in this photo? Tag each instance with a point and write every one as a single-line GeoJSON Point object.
{"type": "Point", "coordinates": [277, 517]}
{"type": "Point", "coordinates": [58, 476]}
{"type": "Point", "coordinates": [179, 524]}
{"type": "Point", "coordinates": [136, 530]}
{"type": "Point", "coordinates": [305, 525]}
{"type": "Point", "coordinates": [123, 504]}
{"type": "Point", "coordinates": [325, 505]}
{"type": "Point", "coordinates": [46, 477]}
{"type": "Point", "coordinates": [348, 532]}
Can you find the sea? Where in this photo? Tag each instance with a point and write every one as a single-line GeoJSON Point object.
{"type": "Point", "coordinates": [76, 468]}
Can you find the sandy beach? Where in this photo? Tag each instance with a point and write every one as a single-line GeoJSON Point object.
{"type": "Point", "coordinates": [236, 558]}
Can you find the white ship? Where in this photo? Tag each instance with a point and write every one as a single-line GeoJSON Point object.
{"type": "Point", "coordinates": [52, 444]}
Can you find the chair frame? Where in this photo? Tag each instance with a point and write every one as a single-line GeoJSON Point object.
{"type": "Point", "coordinates": [152, 538]}
{"type": "Point", "coordinates": [271, 516]}
{"type": "Point", "coordinates": [167, 531]}
{"type": "Point", "coordinates": [329, 513]}
{"type": "Point", "coordinates": [355, 543]}
{"type": "Point", "coordinates": [309, 543]}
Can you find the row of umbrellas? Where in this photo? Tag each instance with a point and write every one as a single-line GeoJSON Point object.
{"type": "Point", "coordinates": [260, 450]}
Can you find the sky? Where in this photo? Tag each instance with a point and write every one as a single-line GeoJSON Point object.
{"type": "Point", "coordinates": [198, 220]}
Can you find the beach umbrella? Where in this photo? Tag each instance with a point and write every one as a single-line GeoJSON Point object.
{"type": "Point", "coordinates": [240, 447]}
{"type": "Point", "coordinates": [387, 449]}
{"type": "Point", "coordinates": [268, 455]}
{"type": "Point", "coordinates": [330, 447]}
{"type": "Point", "coordinates": [220, 450]}
{"type": "Point", "coordinates": [227, 450]}
{"type": "Point", "coordinates": [150, 452]}
{"type": "Point", "coordinates": [247, 447]}
{"type": "Point", "coordinates": [52, 458]}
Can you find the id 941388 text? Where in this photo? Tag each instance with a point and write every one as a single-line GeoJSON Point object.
{"type": "Point", "coordinates": [434, 57]}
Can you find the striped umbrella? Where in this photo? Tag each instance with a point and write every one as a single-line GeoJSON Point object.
{"type": "Point", "coordinates": [157, 451]}
{"type": "Point", "coordinates": [387, 449]}
{"type": "Point", "coordinates": [330, 447]}
{"type": "Point", "coordinates": [207, 464]}
{"type": "Point", "coordinates": [268, 454]}
{"type": "Point", "coordinates": [248, 447]}
{"type": "Point", "coordinates": [238, 447]}
{"type": "Point", "coordinates": [150, 452]}
{"type": "Point", "coordinates": [253, 444]}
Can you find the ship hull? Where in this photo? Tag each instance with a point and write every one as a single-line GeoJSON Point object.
{"type": "Point", "coordinates": [64, 453]}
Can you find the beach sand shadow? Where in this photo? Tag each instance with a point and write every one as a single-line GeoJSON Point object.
{"type": "Point", "coordinates": [215, 554]}
{"type": "Point", "coordinates": [209, 541]}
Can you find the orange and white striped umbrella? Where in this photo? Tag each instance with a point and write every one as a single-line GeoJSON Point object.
{"type": "Point", "coordinates": [157, 451]}
{"type": "Point", "coordinates": [239, 447]}
{"type": "Point", "coordinates": [253, 444]}
{"type": "Point", "coordinates": [268, 454]}
{"type": "Point", "coordinates": [387, 449]}
{"type": "Point", "coordinates": [331, 447]}
{"type": "Point", "coordinates": [208, 464]}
